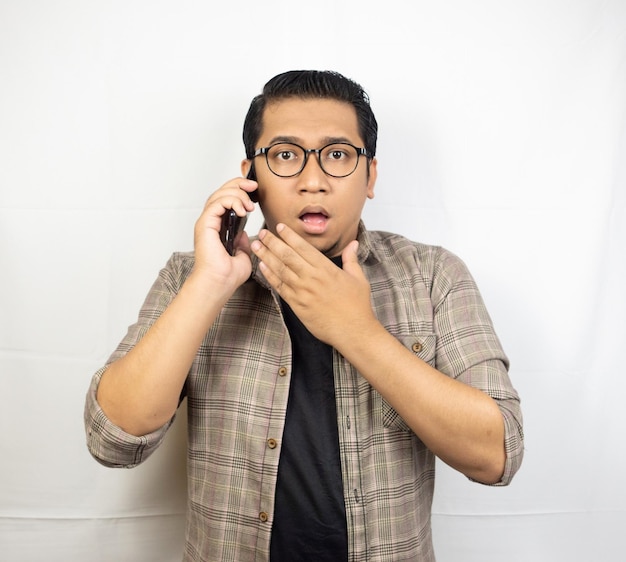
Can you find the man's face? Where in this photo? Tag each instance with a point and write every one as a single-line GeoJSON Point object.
{"type": "Point", "coordinates": [324, 210]}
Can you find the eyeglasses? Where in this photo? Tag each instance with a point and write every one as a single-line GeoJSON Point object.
{"type": "Point", "coordinates": [286, 160]}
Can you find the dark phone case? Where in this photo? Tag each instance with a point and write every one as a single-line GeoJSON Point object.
{"type": "Point", "coordinates": [232, 225]}
{"type": "Point", "coordinates": [254, 196]}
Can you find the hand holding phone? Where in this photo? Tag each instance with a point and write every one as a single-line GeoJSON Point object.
{"type": "Point", "coordinates": [232, 224]}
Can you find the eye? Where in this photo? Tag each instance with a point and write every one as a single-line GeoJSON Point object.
{"type": "Point", "coordinates": [285, 155]}
{"type": "Point", "coordinates": [337, 154]}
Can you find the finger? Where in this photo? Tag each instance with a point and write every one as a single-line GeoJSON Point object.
{"type": "Point", "coordinates": [300, 246]}
{"type": "Point", "coordinates": [292, 253]}
{"type": "Point", "coordinates": [234, 194]}
{"type": "Point", "coordinates": [275, 281]}
{"type": "Point", "coordinates": [277, 254]}
{"type": "Point", "coordinates": [350, 259]}
{"type": "Point", "coordinates": [276, 258]}
{"type": "Point", "coordinates": [218, 205]}
{"type": "Point", "coordinates": [242, 244]}
{"type": "Point", "coordinates": [282, 276]}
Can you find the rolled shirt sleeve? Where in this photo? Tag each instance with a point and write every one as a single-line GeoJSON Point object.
{"type": "Point", "coordinates": [109, 444]}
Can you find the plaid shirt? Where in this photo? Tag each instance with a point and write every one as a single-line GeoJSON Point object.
{"type": "Point", "coordinates": [237, 392]}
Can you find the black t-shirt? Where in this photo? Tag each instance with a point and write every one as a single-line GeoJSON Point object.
{"type": "Point", "coordinates": [310, 517]}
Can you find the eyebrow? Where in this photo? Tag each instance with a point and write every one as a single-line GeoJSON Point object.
{"type": "Point", "coordinates": [295, 140]}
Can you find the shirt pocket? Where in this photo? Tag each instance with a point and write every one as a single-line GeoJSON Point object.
{"type": "Point", "coordinates": [424, 346]}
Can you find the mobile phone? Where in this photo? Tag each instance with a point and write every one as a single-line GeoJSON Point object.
{"type": "Point", "coordinates": [232, 224]}
{"type": "Point", "coordinates": [254, 196]}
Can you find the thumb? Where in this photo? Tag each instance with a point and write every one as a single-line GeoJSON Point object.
{"type": "Point", "coordinates": [349, 257]}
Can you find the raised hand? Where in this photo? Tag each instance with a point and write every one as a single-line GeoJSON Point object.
{"type": "Point", "coordinates": [331, 302]}
{"type": "Point", "coordinates": [211, 259]}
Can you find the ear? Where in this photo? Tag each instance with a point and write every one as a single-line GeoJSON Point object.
{"type": "Point", "coordinates": [371, 180]}
{"type": "Point", "coordinates": [245, 167]}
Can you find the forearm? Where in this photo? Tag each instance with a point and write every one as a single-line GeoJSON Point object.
{"type": "Point", "coordinates": [140, 391]}
{"type": "Point", "coordinates": [462, 425]}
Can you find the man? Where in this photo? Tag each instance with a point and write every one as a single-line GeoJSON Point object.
{"type": "Point", "coordinates": [324, 365]}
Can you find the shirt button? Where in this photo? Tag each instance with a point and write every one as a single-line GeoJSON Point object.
{"type": "Point", "coordinates": [417, 347]}
{"type": "Point", "coordinates": [282, 371]}
{"type": "Point", "coordinates": [271, 443]}
{"type": "Point", "coordinates": [263, 516]}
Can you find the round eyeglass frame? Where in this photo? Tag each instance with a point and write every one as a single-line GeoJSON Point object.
{"type": "Point", "coordinates": [318, 151]}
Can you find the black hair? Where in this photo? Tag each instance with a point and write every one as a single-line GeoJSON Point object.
{"type": "Point", "coordinates": [311, 84]}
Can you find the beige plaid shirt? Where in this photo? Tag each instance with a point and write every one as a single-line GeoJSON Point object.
{"type": "Point", "coordinates": [237, 392]}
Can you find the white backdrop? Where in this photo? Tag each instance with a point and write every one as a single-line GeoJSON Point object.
{"type": "Point", "coordinates": [502, 137]}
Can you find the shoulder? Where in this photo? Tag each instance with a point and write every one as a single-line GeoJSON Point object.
{"type": "Point", "coordinates": [174, 273]}
{"type": "Point", "coordinates": [179, 264]}
{"type": "Point", "coordinates": [394, 250]}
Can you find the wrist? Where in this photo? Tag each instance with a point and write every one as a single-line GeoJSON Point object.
{"type": "Point", "coordinates": [205, 287]}
{"type": "Point", "coordinates": [362, 338]}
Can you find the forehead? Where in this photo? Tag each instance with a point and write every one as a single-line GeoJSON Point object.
{"type": "Point", "coordinates": [309, 120]}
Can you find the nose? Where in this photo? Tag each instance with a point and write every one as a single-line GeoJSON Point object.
{"type": "Point", "coordinates": [312, 177]}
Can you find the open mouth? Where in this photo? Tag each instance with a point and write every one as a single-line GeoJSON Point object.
{"type": "Point", "coordinates": [314, 222]}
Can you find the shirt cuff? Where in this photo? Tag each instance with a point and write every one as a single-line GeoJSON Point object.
{"type": "Point", "coordinates": [513, 444]}
{"type": "Point", "coordinates": [109, 444]}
